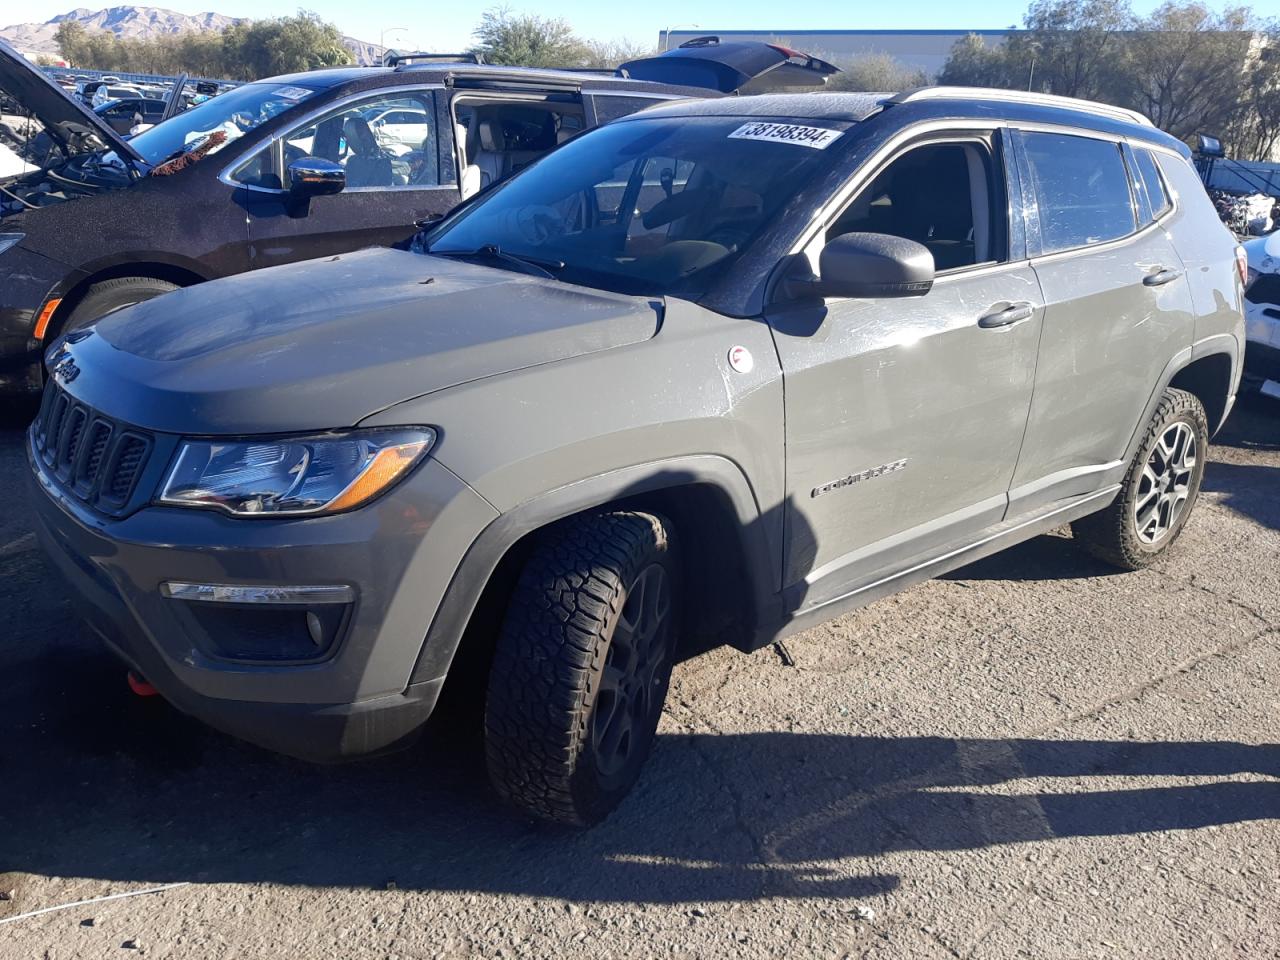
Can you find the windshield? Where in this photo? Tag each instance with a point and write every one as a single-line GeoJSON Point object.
{"type": "Point", "coordinates": [235, 112]}
{"type": "Point", "coordinates": [656, 205]}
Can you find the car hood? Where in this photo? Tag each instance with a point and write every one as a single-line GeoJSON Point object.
{"type": "Point", "coordinates": [63, 118]}
{"type": "Point", "coordinates": [326, 343]}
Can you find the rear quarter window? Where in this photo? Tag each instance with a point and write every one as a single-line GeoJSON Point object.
{"type": "Point", "coordinates": [1149, 170]}
{"type": "Point", "coordinates": [1081, 187]}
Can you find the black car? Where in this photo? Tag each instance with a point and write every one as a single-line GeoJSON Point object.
{"type": "Point", "coordinates": [295, 167]}
{"type": "Point", "coordinates": [123, 115]}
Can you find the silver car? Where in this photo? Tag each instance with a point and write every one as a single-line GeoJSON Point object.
{"type": "Point", "coordinates": [715, 372]}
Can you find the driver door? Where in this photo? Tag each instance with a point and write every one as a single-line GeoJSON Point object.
{"type": "Point", "coordinates": [393, 179]}
{"type": "Point", "coordinates": [905, 417]}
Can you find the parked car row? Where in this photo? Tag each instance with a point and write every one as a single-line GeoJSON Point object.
{"type": "Point", "coordinates": [715, 371]}
{"type": "Point", "coordinates": [293, 168]}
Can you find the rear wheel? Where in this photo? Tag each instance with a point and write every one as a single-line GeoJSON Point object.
{"type": "Point", "coordinates": [582, 666]}
{"type": "Point", "coordinates": [107, 296]}
{"type": "Point", "coordinates": [1159, 490]}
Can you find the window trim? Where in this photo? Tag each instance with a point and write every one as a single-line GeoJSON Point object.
{"type": "Point", "coordinates": [227, 174]}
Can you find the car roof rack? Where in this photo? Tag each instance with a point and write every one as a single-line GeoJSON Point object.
{"type": "Point", "coordinates": [1021, 96]}
{"type": "Point", "coordinates": [402, 60]}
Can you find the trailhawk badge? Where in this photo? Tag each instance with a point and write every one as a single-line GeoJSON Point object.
{"type": "Point", "coordinates": [859, 477]}
{"type": "Point", "coordinates": [741, 360]}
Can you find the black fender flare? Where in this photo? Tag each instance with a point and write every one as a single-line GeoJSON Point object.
{"type": "Point", "coordinates": [488, 549]}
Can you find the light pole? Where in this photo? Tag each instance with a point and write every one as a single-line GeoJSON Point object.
{"type": "Point", "coordinates": [666, 34]}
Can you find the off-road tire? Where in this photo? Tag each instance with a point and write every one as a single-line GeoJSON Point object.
{"type": "Point", "coordinates": [106, 296]}
{"type": "Point", "coordinates": [548, 673]}
{"type": "Point", "coordinates": [1112, 534]}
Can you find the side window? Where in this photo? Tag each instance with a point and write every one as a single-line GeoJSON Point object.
{"type": "Point", "coordinates": [946, 196]}
{"type": "Point", "coordinates": [1081, 186]}
{"type": "Point", "coordinates": [611, 108]}
{"type": "Point", "coordinates": [1149, 170]}
{"type": "Point", "coordinates": [382, 142]}
{"type": "Point", "coordinates": [258, 171]}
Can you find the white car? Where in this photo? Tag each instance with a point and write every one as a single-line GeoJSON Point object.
{"type": "Point", "coordinates": [1262, 312]}
{"type": "Point", "coordinates": [400, 129]}
{"type": "Point", "coordinates": [108, 92]}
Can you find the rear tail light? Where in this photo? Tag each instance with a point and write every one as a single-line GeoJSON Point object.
{"type": "Point", "coordinates": [1242, 265]}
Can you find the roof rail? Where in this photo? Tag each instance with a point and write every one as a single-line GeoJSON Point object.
{"type": "Point", "coordinates": [407, 59]}
{"type": "Point", "coordinates": [1021, 96]}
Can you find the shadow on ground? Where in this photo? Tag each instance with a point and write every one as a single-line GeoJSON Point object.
{"type": "Point", "coordinates": [101, 784]}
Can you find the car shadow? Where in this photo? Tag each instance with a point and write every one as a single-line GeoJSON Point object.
{"type": "Point", "coordinates": [1254, 424]}
{"type": "Point", "coordinates": [1051, 556]}
{"type": "Point", "coordinates": [99, 783]}
{"type": "Point", "coordinates": [1251, 489]}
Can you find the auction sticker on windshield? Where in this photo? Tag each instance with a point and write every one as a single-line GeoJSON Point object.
{"type": "Point", "coordinates": [819, 138]}
{"type": "Point", "coordinates": [293, 93]}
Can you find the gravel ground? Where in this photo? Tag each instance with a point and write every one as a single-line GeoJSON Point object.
{"type": "Point", "coordinates": [1033, 757]}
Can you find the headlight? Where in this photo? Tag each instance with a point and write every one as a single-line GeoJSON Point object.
{"type": "Point", "coordinates": [8, 240]}
{"type": "Point", "coordinates": [291, 476]}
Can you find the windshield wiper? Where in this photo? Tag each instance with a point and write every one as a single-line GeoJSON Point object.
{"type": "Point", "coordinates": [491, 250]}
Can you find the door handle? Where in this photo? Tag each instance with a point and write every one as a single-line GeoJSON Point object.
{"type": "Point", "coordinates": [1161, 277]}
{"type": "Point", "coordinates": [1014, 313]}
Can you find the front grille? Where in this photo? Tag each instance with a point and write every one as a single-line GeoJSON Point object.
{"type": "Point", "coordinates": [95, 458]}
{"type": "Point", "coordinates": [1264, 289]}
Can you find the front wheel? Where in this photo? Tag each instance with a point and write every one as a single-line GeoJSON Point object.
{"type": "Point", "coordinates": [582, 666]}
{"type": "Point", "coordinates": [1159, 490]}
{"type": "Point", "coordinates": [108, 296]}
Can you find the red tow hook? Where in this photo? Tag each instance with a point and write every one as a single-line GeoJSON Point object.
{"type": "Point", "coordinates": [141, 687]}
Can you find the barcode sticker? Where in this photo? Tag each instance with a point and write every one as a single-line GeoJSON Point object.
{"type": "Point", "coordinates": [818, 138]}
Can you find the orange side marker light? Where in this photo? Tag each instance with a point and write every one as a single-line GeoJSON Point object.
{"type": "Point", "coordinates": [45, 315]}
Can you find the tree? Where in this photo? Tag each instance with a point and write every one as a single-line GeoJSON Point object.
{"type": "Point", "coordinates": [527, 40]}
{"type": "Point", "coordinates": [248, 50]}
{"type": "Point", "coordinates": [972, 63]}
{"type": "Point", "coordinates": [1069, 46]}
{"type": "Point", "coordinates": [1185, 66]}
{"type": "Point", "coordinates": [252, 49]}
{"type": "Point", "coordinates": [1257, 132]}
{"type": "Point", "coordinates": [608, 54]}
{"type": "Point", "coordinates": [877, 72]}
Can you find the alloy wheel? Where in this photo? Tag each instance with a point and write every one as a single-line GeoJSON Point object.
{"type": "Point", "coordinates": [1165, 484]}
{"type": "Point", "coordinates": [630, 684]}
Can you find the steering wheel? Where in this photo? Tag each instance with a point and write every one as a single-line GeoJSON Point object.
{"type": "Point", "coordinates": [538, 223]}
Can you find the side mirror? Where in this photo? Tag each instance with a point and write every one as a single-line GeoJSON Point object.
{"type": "Point", "coordinates": [872, 265]}
{"type": "Point", "coordinates": [314, 177]}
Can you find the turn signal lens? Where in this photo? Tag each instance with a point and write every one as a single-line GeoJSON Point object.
{"type": "Point", "coordinates": [44, 316]}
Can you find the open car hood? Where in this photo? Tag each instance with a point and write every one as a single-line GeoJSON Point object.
{"type": "Point", "coordinates": [71, 124]}
{"type": "Point", "coordinates": [746, 66]}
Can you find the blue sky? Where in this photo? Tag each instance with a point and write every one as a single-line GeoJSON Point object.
{"type": "Point", "coordinates": [447, 26]}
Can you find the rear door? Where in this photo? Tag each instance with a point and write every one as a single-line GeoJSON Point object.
{"type": "Point", "coordinates": [395, 176]}
{"type": "Point", "coordinates": [1117, 310]}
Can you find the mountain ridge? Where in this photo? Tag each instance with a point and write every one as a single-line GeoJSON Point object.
{"type": "Point", "coordinates": [130, 21]}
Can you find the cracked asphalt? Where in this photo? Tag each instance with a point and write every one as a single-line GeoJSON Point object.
{"type": "Point", "coordinates": [1034, 757]}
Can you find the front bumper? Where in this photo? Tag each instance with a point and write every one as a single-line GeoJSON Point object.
{"type": "Point", "coordinates": [397, 553]}
{"type": "Point", "coordinates": [1262, 352]}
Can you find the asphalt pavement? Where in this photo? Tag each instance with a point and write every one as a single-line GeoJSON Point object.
{"type": "Point", "coordinates": [1033, 757]}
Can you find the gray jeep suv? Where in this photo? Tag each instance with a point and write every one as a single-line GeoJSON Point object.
{"type": "Point", "coordinates": [712, 373]}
